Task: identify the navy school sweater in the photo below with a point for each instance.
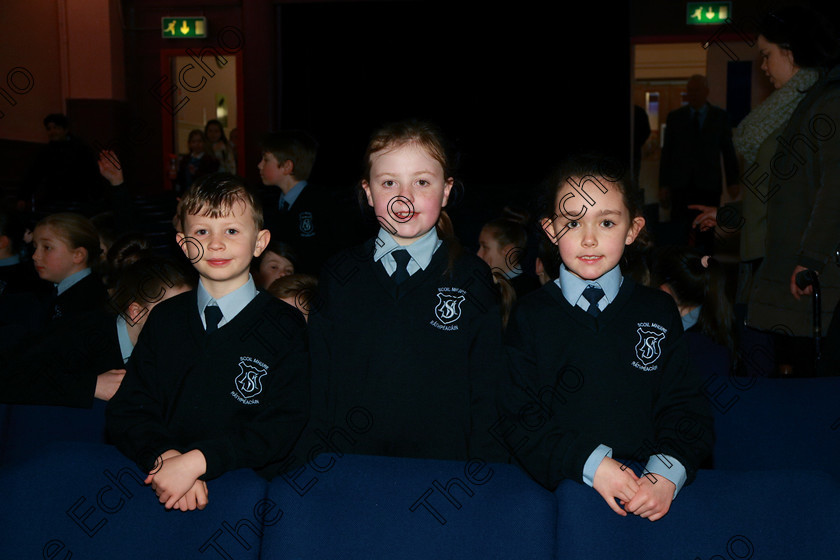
(307, 226)
(413, 369)
(622, 379)
(240, 395)
(59, 365)
(88, 294)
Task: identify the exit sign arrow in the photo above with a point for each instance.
(183, 27)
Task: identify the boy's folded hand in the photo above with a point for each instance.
(612, 480)
(653, 500)
(176, 476)
(195, 498)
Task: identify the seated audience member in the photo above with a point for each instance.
(63, 175)
(199, 162)
(124, 252)
(297, 212)
(66, 253)
(16, 275)
(502, 245)
(698, 285)
(547, 265)
(223, 149)
(73, 362)
(298, 290)
(203, 392)
(278, 260)
(22, 292)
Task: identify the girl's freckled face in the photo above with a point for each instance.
(407, 191)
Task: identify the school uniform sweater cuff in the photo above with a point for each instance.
(217, 458)
(668, 467)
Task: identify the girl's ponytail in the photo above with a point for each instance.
(446, 232)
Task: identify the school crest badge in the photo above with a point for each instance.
(249, 381)
(306, 224)
(648, 347)
(448, 309)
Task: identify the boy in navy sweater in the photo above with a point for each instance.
(301, 215)
(219, 377)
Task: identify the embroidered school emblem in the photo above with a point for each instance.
(448, 309)
(249, 381)
(648, 347)
(306, 224)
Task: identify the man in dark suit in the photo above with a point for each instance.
(696, 136)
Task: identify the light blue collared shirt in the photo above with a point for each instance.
(690, 318)
(421, 251)
(10, 261)
(230, 304)
(573, 286)
(292, 195)
(126, 346)
(72, 280)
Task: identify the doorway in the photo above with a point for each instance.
(206, 85)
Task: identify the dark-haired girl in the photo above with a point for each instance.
(599, 366)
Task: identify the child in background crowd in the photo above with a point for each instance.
(502, 245)
(123, 252)
(298, 290)
(199, 162)
(612, 349)
(698, 285)
(547, 265)
(16, 275)
(297, 212)
(278, 260)
(66, 253)
(221, 148)
(75, 362)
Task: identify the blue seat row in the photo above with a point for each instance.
(772, 494)
(82, 500)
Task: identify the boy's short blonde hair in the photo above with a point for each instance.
(214, 196)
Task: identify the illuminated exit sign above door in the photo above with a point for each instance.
(707, 13)
(183, 27)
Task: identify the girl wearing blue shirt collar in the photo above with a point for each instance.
(603, 356)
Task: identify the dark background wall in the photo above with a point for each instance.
(515, 88)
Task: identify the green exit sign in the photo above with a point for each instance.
(707, 13)
(183, 27)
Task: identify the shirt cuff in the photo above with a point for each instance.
(668, 467)
(594, 462)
